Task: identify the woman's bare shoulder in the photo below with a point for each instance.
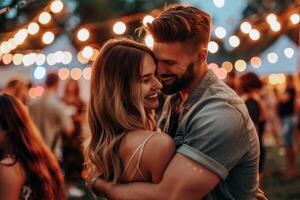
(12, 174)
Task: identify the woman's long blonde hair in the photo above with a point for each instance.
(115, 106)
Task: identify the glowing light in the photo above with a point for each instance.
(220, 32)
(33, 28)
(7, 58)
(76, 73)
(227, 66)
(51, 59)
(295, 18)
(272, 57)
(246, 27)
(255, 62)
(240, 65)
(95, 54)
(44, 18)
(12, 44)
(20, 36)
(87, 73)
(254, 34)
(273, 79)
(67, 58)
(213, 66)
(39, 73)
(81, 58)
(149, 41)
(18, 59)
(83, 34)
(119, 28)
(39, 90)
(219, 3)
(271, 18)
(276, 26)
(213, 47)
(148, 19)
(29, 59)
(289, 52)
(40, 59)
(281, 78)
(31, 93)
(56, 6)
(63, 73)
(5, 47)
(48, 37)
(234, 41)
(87, 52)
(221, 73)
(59, 56)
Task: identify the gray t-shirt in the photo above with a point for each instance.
(215, 130)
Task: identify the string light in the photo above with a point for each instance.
(40, 59)
(44, 18)
(76, 73)
(213, 47)
(119, 28)
(83, 34)
(289, 52)
(33, 28)
(148, 19)
(220, 32)
(227, 66)
(56, 6)
(219, 3)
(63, 73)
(272, 57)
(87, 73)
(234, 41)
(271, 18)
(240, 65)
(295, 18)
(255, 62)
(17, 59)
(39, 72)
(48, 37)
(87, 52)
(149, 41)
(246, 27)
(254, 34)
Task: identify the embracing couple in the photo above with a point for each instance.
(204, 145)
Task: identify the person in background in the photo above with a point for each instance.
(250, 86)
(72, 144)
(49, 115)
(18, 88)
(286, 109)
(28, 169)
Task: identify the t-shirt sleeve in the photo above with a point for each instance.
(216, 137)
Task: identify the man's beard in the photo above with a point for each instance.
(180, 83)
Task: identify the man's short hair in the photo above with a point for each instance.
(180, 23)
(52, 80)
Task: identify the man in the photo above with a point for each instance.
(217, 145)
(49, 116)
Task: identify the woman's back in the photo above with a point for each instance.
(145, 155)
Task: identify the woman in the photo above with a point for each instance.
(250, 86)
(72, 153)
(124, 145)
(28, 170)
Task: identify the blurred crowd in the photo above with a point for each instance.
(61, 119)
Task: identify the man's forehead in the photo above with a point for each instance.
(168, 50)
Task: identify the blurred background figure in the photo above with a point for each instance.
(286, 110)
(18, 88)
(49, 115)
(28, 170)
(72, 143)
(250, 87)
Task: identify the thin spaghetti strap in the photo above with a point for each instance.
(137, 169)
(140, 147)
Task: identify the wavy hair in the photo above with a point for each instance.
(115, 106)
(41, 167)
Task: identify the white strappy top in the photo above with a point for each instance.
(139, 150)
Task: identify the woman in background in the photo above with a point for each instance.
(28, 170)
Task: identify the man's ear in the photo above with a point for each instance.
(202, 55)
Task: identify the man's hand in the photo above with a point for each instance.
(261, 195)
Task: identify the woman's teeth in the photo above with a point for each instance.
(153, 96)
